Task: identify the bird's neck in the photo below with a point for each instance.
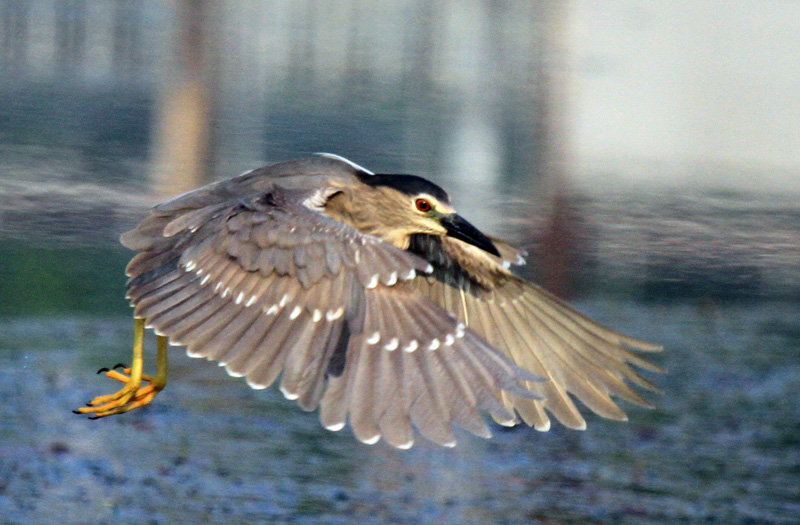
(344, 208)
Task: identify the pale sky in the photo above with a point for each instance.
(690, 84)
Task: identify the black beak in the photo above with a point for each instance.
(458, 228)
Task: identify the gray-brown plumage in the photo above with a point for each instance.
(372, 300)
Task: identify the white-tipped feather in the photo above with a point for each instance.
(291, 396)
(332, 315)
(373, 282)
(295, 313)
(371, 440)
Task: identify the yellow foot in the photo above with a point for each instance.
(131, 396)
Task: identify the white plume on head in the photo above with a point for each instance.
(347, 161)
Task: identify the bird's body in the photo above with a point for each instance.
(372, 300)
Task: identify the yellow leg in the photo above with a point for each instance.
(133, 394)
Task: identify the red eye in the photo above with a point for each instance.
(423, 205)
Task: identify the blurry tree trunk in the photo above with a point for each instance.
(14, 34)
(556, 256)
(182, 130)
(70, 35)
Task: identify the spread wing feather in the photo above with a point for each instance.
(541, 334)
(267, 286)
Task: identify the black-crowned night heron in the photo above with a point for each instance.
(373, 297)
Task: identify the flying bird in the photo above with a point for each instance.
(371, 299)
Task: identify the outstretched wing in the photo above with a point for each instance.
(540, 333)
(264, 284)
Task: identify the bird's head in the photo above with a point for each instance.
(395, 207)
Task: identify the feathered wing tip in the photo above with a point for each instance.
(582, 358)
(542, 334)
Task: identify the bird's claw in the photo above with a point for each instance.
(130, 396)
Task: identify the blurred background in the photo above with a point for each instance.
(646, 154)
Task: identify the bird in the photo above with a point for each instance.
(372, 299)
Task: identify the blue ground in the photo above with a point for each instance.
(722, 445)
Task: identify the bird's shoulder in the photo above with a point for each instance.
(294, 182)
(302, 175)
